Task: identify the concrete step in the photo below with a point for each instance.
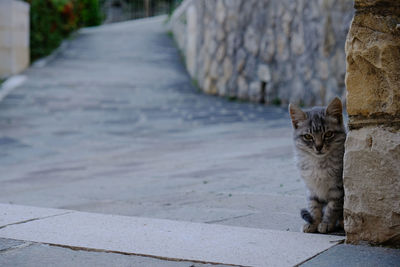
(164, 239)
(18, 253)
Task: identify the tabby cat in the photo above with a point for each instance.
(319, 136)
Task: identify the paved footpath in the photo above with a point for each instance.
(113, 125)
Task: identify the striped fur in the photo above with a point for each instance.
(319, 136)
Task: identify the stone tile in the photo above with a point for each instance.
(350, 255)
(11, 214)
(6, 244)
(38, 255)
(174, 239)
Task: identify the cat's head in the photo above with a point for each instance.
(318, 130)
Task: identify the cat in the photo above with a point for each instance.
(319, 135)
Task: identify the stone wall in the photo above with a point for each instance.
(272, 51)
(14, 37)
(372, 158)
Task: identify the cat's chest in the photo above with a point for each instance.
(317, 177)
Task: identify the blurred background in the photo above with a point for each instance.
(124, 118)
(270, 52)
(53, 20)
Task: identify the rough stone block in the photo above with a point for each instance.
(220, 12)
(243, 88)
(228, 69)
(373, 3)
(251, 41)
(264, 73)
(255, 91)
(275, 33)
(371, 163)
(372, 185)
(373, 56)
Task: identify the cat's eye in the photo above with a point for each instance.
(308, 137)
(328, 134)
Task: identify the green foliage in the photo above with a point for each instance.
(232, 98)
(175, 4)
(45, 34)
(195, 83)
(276, 101)
(91, 14)
(53, 20)
(170, 34)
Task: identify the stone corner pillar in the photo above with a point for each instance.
(372, 159)
(14, 37)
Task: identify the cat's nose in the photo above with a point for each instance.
(318, 147)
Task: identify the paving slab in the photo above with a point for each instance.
(6, 244)
(11, 214)
(356, 256)
(39, 255)
(207, 243)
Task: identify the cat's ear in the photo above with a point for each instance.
(334, 109)
(297, 115)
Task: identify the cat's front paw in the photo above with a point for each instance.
(324, 228)
(309, 228)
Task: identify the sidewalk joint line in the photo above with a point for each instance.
(23, 245)
(230, 218)
(306, 260)
(35, 219)
(76, 248)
